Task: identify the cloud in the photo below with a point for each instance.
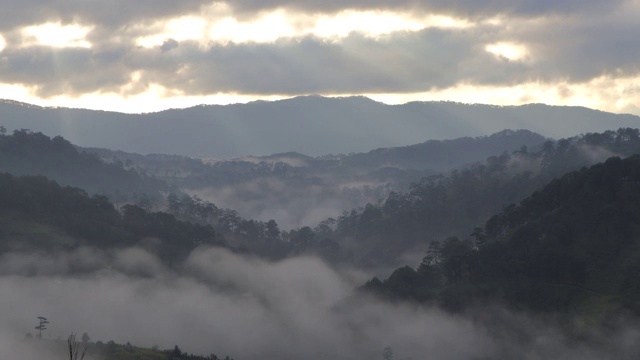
(169, 45)
(249, 308)
(280, 48)
(112, 15)
(461, 8)
(419, 61)
(400, 62)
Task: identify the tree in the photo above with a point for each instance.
(74, 348)
(271, 232)
(42, 325)
(387, 353)
(85, 338)
(433, 257)
(176, 353)
(479, 236)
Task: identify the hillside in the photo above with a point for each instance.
(310, 125)
(445, 155)
(31, 153)
(297, 190)
(37, 214)
(570, 247)
(392, 231)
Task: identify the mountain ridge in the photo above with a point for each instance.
(310, 125)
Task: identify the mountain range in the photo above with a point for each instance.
(311, 125)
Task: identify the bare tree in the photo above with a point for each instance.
(74, 348)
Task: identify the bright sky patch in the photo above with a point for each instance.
(219, 26)
(57, 35)
(508, 51)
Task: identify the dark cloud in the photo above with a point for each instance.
(109, 14)
(457, 8)
(122, 13)
(583, 49)
(568, 41)
(410, 62)
(169, 45)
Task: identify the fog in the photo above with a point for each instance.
(292, 205)
(224, 303)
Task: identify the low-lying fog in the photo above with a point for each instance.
(229, 304)
(291, 207)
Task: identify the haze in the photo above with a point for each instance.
(307, 180)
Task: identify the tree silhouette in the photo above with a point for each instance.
(42, 325)
(387, 353)
(74, 348)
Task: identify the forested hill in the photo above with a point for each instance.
(31, 153)
(572, 246)
(296, 190)
(310, 125)
(37, 214)
(431, 155)
(445, 155)
(454, 204)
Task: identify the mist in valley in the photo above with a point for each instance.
(291, 206)
(320, 180)
(224, 303)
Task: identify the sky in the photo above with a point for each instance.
(150, 55)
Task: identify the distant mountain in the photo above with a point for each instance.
(444, 155)
(311, 125)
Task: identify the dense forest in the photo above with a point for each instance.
(297, 190)
(546, 230)
(376, 235)
(569, 247)
(38, 214)
(32, 153)
(454, 204)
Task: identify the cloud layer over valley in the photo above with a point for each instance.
(248, 308)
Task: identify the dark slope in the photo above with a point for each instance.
(28, 153)
(454, 204)
(310, 125)
(445, 155)
(402, 164)
(572, 246)
(37, 214)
